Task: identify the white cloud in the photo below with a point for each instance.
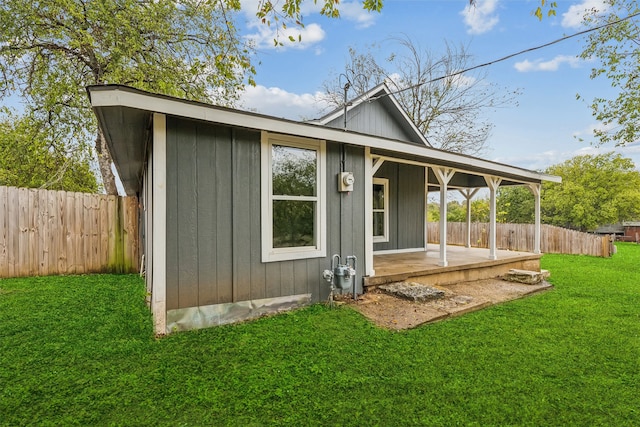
(572, 18)
(480, 17)
(353, 11)
(543, 160)
(278, 102)
(589, 130)
(552, 65)
(303, 37)
(461, 81)
(311, 34)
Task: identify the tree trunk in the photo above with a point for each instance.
(104, 161)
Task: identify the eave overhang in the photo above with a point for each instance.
(124, 114)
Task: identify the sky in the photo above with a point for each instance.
(547, 126)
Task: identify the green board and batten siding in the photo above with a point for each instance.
(213, 220)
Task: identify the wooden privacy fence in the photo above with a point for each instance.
(46, 232)
(520, 237)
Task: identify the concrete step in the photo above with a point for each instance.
(526, 276)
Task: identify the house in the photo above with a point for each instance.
(626, 231)
(631, 231)
(242, 212)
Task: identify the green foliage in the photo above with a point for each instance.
(616, 51)
(457, 211)
(550, 9)
(29, 159)
(50, 51)
(515, 205)
(80, 350)
(596, 190)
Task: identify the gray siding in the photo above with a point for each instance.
(372, 118)
(406, 206)
(213, 220)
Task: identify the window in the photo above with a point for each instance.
(380, 210)
(293, 198)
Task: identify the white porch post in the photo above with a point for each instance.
(368, 212)
(444, 175)
(493, 182)
(535, 189)
(426, 204)
(468, 194)
(159, 224)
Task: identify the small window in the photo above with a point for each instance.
(380, 210)
(293, 205)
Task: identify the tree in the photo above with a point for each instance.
(617, 47)
(28, 160)
(49, 52)
(448, 109)
(595, 190)
(457, 211)
(515, 205)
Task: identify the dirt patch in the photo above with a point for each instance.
(396, 313)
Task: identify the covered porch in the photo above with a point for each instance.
(464, 264)
(388, 260)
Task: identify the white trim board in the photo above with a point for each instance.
(398, 251)
(111, 96)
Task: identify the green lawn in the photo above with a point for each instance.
(80, 351)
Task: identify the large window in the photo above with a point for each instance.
(380, 210)
(293, 193)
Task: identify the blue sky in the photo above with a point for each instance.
(543, 129)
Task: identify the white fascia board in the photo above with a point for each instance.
(116, 96)
(353, 103)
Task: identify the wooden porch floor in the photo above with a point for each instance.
(465, 264)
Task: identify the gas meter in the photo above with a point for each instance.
(342, 276)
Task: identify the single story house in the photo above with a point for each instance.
(242, 212)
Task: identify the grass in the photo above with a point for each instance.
(80, 351)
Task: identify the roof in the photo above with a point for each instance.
(125, 115)
(383, 95)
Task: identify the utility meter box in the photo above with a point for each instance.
(346, 181)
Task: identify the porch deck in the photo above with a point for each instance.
(465, 264)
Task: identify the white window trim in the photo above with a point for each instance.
(269, 253)
(385, 184)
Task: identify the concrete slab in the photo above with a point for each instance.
(395, 313)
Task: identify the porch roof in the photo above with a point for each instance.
(125, 116)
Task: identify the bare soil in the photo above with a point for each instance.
(395, 313)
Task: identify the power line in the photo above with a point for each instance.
(504, 58)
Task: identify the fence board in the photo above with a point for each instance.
(23, 232)
(4, 237)
(13, 232)
(54, 232)
(520, 237)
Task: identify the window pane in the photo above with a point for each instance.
(378, 196)
(378, 224)
(294, 171)
(293, 223)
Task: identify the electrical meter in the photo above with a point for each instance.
(346, 181)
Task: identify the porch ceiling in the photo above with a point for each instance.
(467, 175)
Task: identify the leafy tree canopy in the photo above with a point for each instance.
(49, 52)
(457, 211)
(515, 205)
(595, 190)
(27, 159)
(617, 51)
